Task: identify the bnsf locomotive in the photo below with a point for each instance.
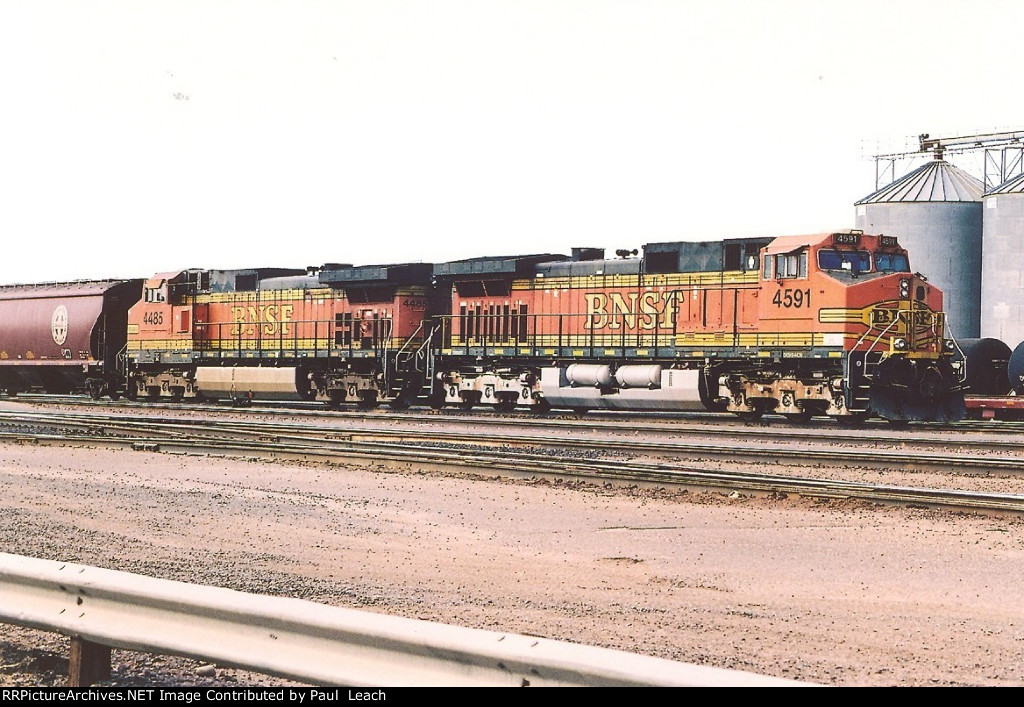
(834, 324)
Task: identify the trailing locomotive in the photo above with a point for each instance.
(833, 324)
(335, 333)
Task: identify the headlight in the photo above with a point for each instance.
(899, 344)
(904, 288)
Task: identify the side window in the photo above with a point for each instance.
(767, 274)
(788, 265)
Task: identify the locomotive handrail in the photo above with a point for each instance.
(314, 643)
(878, 339)
(963, 358)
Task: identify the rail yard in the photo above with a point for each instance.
(819, 584)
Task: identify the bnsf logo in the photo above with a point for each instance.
(919, 318)
(271, 318)
(646, 310)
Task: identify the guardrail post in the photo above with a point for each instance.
(88, 662)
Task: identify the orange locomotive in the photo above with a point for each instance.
(335, 333)
(831, 324)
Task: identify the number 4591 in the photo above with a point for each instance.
(792, 298)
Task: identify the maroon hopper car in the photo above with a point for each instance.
(65, 337)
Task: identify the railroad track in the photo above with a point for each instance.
(913, 453)
(482, 454)
(998, 435)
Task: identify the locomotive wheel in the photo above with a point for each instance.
(506, 403)
(369, 402)
(95, 391)
(751, 416)
(335, 399)
(854, 420)
(541, 406)
(436, 401)
(399, 402)
(799, 418)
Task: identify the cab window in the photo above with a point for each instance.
(855, 261)
(786, 265)
(891, 262)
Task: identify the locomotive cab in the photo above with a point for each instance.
(884, 322)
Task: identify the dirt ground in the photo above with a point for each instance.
(832, 593)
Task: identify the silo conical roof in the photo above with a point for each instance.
(937, 181)
(1013, 185)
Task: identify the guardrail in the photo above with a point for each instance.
(309, 642)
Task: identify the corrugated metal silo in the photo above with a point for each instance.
(935, 211)
(1002, 265)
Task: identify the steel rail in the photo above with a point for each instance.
(371, 438)
(545, 466)
(724, 425)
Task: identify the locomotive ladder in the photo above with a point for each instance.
(420, 360)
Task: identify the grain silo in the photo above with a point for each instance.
(1002, 268)
(935, 212)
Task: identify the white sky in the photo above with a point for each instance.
(138, 137)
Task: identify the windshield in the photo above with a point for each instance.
(852, 260)
(893, 262)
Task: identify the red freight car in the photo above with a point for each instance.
(65, 337)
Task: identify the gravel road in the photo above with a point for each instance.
(833, 593)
